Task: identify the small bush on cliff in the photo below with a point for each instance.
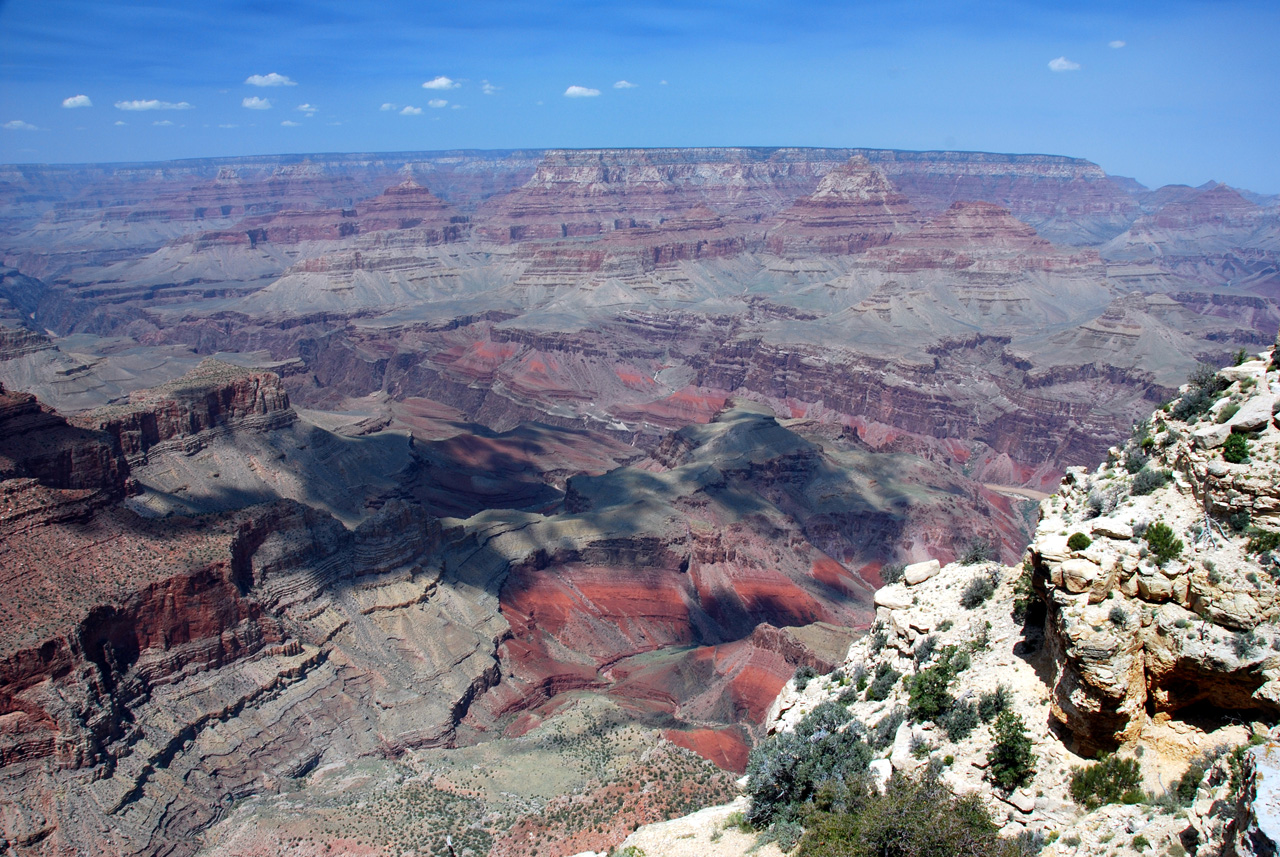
(924, 650)
(1147, 481)
(1010, 762)
(928, 697)
(978, 550)
(1189, 783)
(1236, 449)
(960, 721)
(994, 702)
(1112, 780)
(883, 682)
(1205, 385)
(803, 675)
(1164, 545)
(892, 572)
(1078, 542)
(915, 817)
(1135, 460)
(976, 592)
(1226, 412)
(1245, 643)
(882, 734)
(1261, 541)
(786, 770)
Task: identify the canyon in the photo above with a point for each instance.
(390, 480)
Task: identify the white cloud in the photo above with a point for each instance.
(121, 122)
(1118, 43)
(411, 111)
(437, 103)
(625, 84)
(19, 125)
(456, 107)
(309, 109)
(441, 82)
(229, 125)
(152, 104)
(662, 83)
(1063, 64)
(77, 101)
(272, 79)
(253, 102)
(162, 122)
(576, 91)
(488, 88)
(389, 106)
(289, 123)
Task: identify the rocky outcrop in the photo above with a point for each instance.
(853, 208)
(1137, 633)
(213, 396)
(37, 444)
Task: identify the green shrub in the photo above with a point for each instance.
(892, 572)
(1162, 542)
(786, 833)
(994, 702)
(1147, 481)
(1205, 384)
(1189, 783)
(1010, 762)
(1140, 842)
(976, 592)
(1227, 411)
(876, 640)
(883, 682)
(925, 649)
(787, 769)
(1236, 449)
(1245, 643)
(803, 675)
(1112, 780)
(1238, 521)
(915, 817)
(928, 697)
(1135, 460)
(960, 721)
(1261, 541)
(882, 734)
(1118, 616)
(1078, 542)
(978, 550)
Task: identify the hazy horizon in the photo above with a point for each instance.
(1172, 93)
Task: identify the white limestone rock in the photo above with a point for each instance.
(919, 572)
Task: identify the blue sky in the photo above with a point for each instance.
(1192, 94)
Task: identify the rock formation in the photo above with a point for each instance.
(1196, 624)
(853, 208)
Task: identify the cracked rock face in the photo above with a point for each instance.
(1134, 635)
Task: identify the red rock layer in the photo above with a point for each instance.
(37, 444)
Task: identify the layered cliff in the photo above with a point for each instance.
(1179, 546)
